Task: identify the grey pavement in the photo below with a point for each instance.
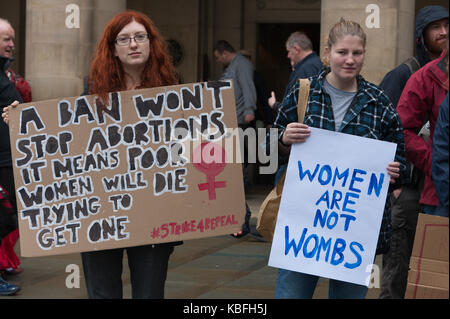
(212, 268)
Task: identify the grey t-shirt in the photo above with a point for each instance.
(340, 102)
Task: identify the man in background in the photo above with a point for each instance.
(430, 31)
(304, 62)
(240, 70)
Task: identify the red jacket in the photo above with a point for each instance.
(420, 99)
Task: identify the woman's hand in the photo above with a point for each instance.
(296, 133)
(393, 170)
(5, 113)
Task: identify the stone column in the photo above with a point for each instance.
(405, 34)
(103, 11)
(58, 53)
(387, 44)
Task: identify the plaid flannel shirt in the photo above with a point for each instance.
(370, 115)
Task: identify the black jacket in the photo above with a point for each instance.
(394, 81)
(8, 94)
(440, 159)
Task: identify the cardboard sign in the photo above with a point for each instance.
(150, 168)
(332, 206)
(428, 274)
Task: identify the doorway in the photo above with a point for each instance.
(271, 54)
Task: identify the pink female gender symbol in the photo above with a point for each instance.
(211, 167)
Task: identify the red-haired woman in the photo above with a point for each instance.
(131, 54)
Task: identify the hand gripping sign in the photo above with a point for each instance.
(332, 206)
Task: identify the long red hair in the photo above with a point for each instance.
(107, 74)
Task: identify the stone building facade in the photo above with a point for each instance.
(54, 44)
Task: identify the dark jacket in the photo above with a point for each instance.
(8, 94)
(264, 112)
(7, 221)
(309, 66)
(395, 80)
(440, 161)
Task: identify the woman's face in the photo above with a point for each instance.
(133, 54)
(346, 57)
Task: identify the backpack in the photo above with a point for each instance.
(412, 64)
(417, 176)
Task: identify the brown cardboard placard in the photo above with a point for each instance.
(429, 269)
(150, 169)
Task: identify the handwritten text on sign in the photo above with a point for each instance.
(141, 171)
(332, 206)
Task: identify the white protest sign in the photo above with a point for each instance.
(332, 206)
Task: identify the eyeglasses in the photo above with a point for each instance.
(138, 38)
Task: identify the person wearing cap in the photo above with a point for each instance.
(403, 86)
(428, 47)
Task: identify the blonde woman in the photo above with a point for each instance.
(341, 100)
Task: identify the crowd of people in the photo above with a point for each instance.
(409, 108)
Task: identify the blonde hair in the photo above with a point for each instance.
(341, 29)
